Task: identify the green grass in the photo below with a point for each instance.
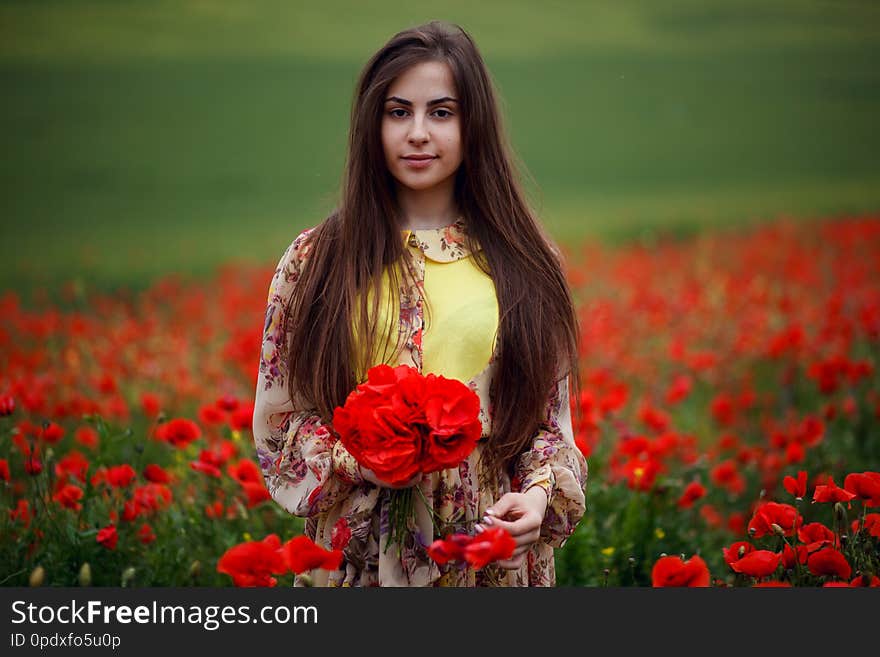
(143, 138)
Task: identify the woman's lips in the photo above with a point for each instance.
(420, 163)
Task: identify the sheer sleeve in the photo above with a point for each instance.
(555, 464)
(305, 467)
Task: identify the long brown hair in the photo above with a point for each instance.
(350, 249)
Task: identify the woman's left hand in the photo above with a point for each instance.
(521, 514)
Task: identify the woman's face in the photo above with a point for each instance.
(421, 128)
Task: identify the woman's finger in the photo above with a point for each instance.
(513, 563)
(517, 528)
(522, 549)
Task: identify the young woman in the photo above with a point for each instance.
(432, 259)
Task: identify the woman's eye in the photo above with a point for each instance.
(396, 115)
(443, 114)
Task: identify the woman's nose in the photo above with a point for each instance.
(418, 132)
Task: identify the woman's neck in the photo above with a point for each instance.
(424, 209)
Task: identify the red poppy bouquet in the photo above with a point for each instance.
(400, 423)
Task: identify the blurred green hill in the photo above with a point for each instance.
(148, 137)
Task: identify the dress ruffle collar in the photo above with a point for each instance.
(444, 244)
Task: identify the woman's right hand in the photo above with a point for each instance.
(370, 476)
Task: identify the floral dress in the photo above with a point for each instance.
(310, 473)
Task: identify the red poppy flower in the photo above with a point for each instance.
(815, 532)
(736, 523)
(87, 437)
(654, 418)
(210, 415)
(151, 404)
(829, 562)
(4, 470)
(694, 491)
(120, 476)
(7, 405)
(131, 510)
(245, 471)
(723, 409)
(242, 418)
(711, 516)
(727, 475)
(227, 403)
(449, 549)
(253, 563)
(772, 513)
(792, 557)
(179, 432)
(256, 493)
(678, 389)
(494, 544)
(380, 439)
(672, 571)
(452, 413)
(207, 468)
(810, 431)
(831, 492)
(614, 398)
(32, 465)
(153, 497)
(865, 580)
(872, 524)
(146, 534)
(21, 512)
(865, 486)
(108, 537)
(737, 551)
(301, 554)
(641, 473)
(156, 474)
(796, 487)
(757, 563)
(73, 464)
(794, 453)
(69, 496)
(52, 433)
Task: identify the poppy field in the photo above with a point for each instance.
(729, 410)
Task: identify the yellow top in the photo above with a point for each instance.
(461, 314)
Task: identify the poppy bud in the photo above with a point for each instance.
(7, 405)
(38, 576)
(128, 575)
(195, 569)
(305, 580)
(777, 529)
(85, 574)
(840, 514)
(742, 551)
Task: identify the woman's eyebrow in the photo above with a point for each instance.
(431, 103)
